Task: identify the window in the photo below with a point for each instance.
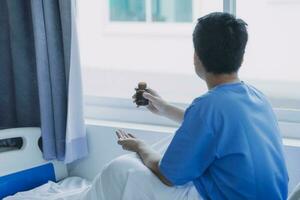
(157, 10)
(172, 10)
(123, 42)
(127, 10)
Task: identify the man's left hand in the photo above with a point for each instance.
(128, 141)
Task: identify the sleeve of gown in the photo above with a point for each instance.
(192, 149)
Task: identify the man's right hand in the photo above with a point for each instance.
(156, 104)
(160, 107)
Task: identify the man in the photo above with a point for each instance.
(228, 145)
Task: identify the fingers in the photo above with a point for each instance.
(118, 135)
(152, 109)
(124, 134)
(128, 141)
(153, 92)
(148, 90)
(130, 135)
(149, 96)
(121, 134)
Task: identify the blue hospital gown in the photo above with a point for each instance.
(229, 145)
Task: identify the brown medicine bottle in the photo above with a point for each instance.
(140, 100)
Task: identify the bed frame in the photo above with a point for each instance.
(24, 168)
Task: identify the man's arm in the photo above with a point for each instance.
(151, 160)
(174, 113)
(160, 107)
(149, 157)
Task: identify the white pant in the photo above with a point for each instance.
(127, 178)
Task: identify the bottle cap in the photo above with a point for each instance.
(142, 85)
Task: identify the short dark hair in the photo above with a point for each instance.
(219, 41)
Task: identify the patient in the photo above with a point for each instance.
(228, 145)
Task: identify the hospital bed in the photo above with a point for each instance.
(25, 169)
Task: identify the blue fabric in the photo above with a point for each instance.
(51, 76)
(230, 146)
(26, 180)
(19, 102)
(35, 66)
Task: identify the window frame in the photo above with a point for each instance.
(149, 27)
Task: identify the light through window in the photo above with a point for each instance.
(127, 10)
(151, 10)
(172, 10)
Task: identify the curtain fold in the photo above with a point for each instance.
(18, 95)
(40, 80)
(51, 76)
(76, 143)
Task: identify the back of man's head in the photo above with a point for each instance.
(219, 41)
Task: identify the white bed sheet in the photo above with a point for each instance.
(70, 188)
(127, 178)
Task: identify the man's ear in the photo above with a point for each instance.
(199, 68)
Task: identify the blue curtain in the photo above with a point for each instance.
(35, 56)
(19, 102)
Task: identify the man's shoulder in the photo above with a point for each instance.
(205, 103)
(220, 98)
(205, 97)
(209, 97)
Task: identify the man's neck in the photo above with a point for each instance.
(213, 80)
